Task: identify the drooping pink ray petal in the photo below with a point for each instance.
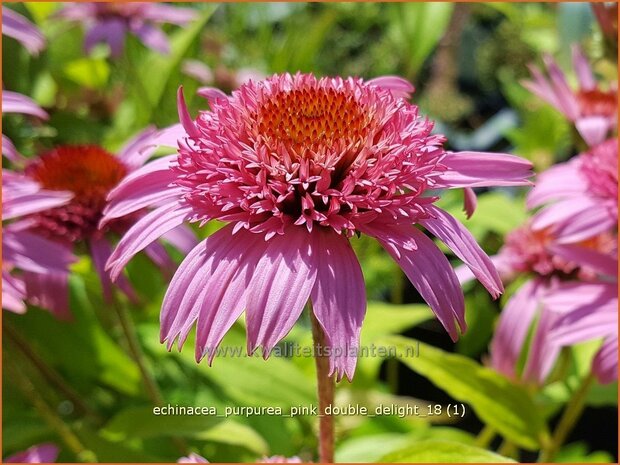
(582, 69)
(339, 300)
(30, 252)
(12, 102)
(600, 262)
(162, 13)
(281, 286)
(542, 353)
(13, 293)
(429, 271)
(182, 238)
(605, 363)
(514, 324)
(148, 229)
(212, 94)
(22, 204)
(139, 148)
(564, 95)
(19, 28)
(559, 181)
(10, 152)
(452, 233)
(481, 169)
(136, 192)
(50, 291)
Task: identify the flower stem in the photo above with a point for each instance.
(571, 414)
(129, 331)
(48, 373)
(48, 414)
(326, 389)
(152, 389)
(486, 435)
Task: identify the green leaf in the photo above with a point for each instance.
(141, 422)
(236, 434)
(495, 400)
(383, 318)
(156, 71)
(443, 452)
(419, 27)
(88, 72)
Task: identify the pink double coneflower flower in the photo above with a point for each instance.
(110, 23)
(86, 174)
(562, 286)
(295, 166)
(28, 258)
(590, 107)
(579, 198)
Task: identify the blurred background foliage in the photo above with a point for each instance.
(466, 61)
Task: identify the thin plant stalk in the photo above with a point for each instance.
(48, 414)
(48, 373)
(569, 418)
(326, 389)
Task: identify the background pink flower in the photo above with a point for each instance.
(19, 28)
(86, 174)
(579, 197)
(295, 166)
(592, 108)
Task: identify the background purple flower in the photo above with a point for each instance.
(110, 23)
(41, 453)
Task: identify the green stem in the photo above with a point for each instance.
(152, 389)
(326, 388)
(48, 373)
(48, 414)
(569, 418)
(486, 435)
(129, 331)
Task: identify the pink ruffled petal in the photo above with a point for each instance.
(146, 230)
(400, 87)
(461, 242)
(470, 202)
(184, 117)
(281, 286)
(482, 169)
(339, 300)
(212, 94)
